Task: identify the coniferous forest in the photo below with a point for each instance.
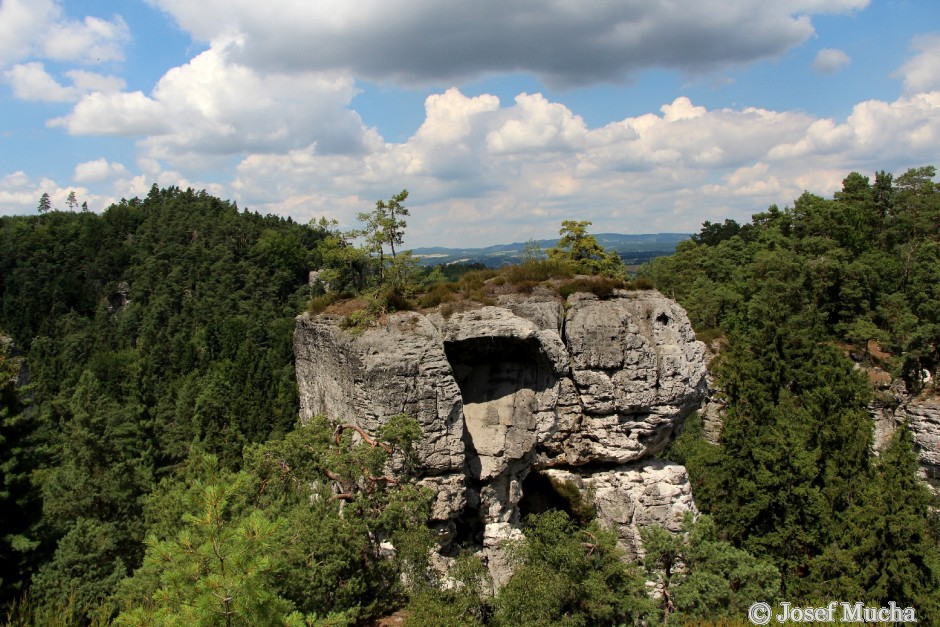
(153, 470)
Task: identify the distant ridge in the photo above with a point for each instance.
(634, 249)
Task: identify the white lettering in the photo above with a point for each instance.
(851, 613)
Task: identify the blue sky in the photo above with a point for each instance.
(502, 119)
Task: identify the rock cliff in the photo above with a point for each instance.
(921, 413)
(582, 393)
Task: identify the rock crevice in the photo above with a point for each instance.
(589, 390)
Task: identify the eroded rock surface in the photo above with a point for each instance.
(631, 497)
(922, 416)
(590, 389)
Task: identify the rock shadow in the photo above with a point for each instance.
(500, 379)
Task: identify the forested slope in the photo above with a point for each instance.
(789, 296)
(152, 471)
(160, 324)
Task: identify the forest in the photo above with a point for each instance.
(154, 470)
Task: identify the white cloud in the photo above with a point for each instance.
(92, 40)
(21, 24)
(830, 61)
(654, 172)
(38, 28)
(565, 43)
(212, 108)
(30, 81)
(922, 73)
(98, 170)
(115, 114)
(85, 81)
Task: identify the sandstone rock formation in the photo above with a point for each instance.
(585, 391)
(895, 407)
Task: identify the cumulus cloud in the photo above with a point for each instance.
(98, 170)
(31, 81)
(483, 171)
(830, 61)
(922, 73)
(491, 172)
(421, 41)
(212, 107)
(38, 28)
(115, 114)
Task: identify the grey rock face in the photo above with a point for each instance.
(631, 497)
(922, 416)
(500, 391)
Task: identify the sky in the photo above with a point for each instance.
(500, 118)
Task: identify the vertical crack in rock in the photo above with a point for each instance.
(500, 380)
(557, 401)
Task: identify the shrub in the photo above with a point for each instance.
(358, 321)
(318, 304)
(475, 279)
(641, 283)
(440, 293)
(539, 270)
(600, 286)
(394, 299)
(526, 287)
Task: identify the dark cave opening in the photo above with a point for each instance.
(487, 368)
(542, 493)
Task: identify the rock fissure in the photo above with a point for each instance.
(583, 396)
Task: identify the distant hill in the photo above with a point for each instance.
(634, 249)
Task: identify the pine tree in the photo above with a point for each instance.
(219, 569)
(45, 204)
(891, 540)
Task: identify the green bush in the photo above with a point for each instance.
(474, 280)
(318, 304)
(394, 299)
(640, 283)
(539, 270)
(600, 286)
(440, 293)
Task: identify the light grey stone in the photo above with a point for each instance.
(527, 386)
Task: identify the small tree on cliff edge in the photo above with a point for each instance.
(583, 250)
(385, 225)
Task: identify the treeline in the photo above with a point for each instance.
(160, 325)
(152, 471)
(787, 298)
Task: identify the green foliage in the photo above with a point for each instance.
(158, 324)
(703, 577)
(792, 480)
(584, 252)
(580, 506)
(567, 576)
(601, 286)
(464, 601)
(20, 456)
(219, 569)
(539, 269)
(889, 544)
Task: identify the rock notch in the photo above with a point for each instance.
(583, 392)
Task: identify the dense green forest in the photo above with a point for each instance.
(153, 471)
(789, 296)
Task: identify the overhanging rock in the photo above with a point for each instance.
(589, 387)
